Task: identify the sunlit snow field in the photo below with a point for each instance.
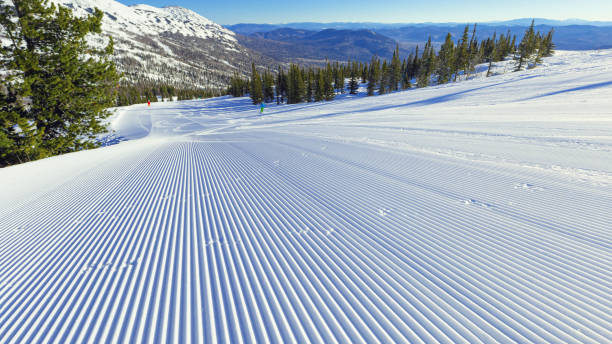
(477, 211)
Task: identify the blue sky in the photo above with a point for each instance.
(388, 11)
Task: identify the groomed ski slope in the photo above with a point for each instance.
(472, 212)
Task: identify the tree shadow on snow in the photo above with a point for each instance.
(424, 102)
(574, 89)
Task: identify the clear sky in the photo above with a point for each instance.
(388, 11)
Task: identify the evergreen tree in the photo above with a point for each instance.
(364, 73)
(353, 83)
(373, 75)
(256, 91)
(428, 65)
(296, 89)
(396, 70)
(328, 86)
(473, 54)
(548, 46)
(462, 53)
(446, 60)
(527, 46)
(268, 87)
(320, 89)
(310, 86)
(384, 77)
(281, 86)
(416, 64)
(406, 84)
(56, 94)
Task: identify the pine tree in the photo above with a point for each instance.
(281, 86)
(55, 97)
(548, 45)
(256, 91)
(462, 54)
(384, 78)
(428, 65)
(353, 83)
(527, 46)
(328, 86)
(268, 87)
(396, 70)
(373, 75)
(310, 86)
(473, 56)
(320, 90)
(446, 60)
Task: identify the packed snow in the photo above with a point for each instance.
(471, 212)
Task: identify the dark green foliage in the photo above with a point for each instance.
(446, 61)
(383, 83)
(320, 86)
(428, 65)
(256, 91)
(353, 83)
(328, 87)
(395, 73)
(296, 86)
(54, 98)
(339, 74)
(310, 86)
(548, 46)
(373, 75)
(268, 87)
(238, 86)
(281, 86)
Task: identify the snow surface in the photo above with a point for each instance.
(470, 212)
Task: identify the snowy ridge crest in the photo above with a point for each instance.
(171, 45)
(145, 19)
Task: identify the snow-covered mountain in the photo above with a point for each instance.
(170, 44)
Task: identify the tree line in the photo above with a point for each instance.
(140, 93)
(451, 62)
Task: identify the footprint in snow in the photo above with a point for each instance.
(528, 187)
(383, 212)
(276, 163)
(476, 203)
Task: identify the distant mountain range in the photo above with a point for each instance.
(247, 29)
(315, 41)
(314, 47)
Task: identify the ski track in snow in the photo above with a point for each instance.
(474, 219)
